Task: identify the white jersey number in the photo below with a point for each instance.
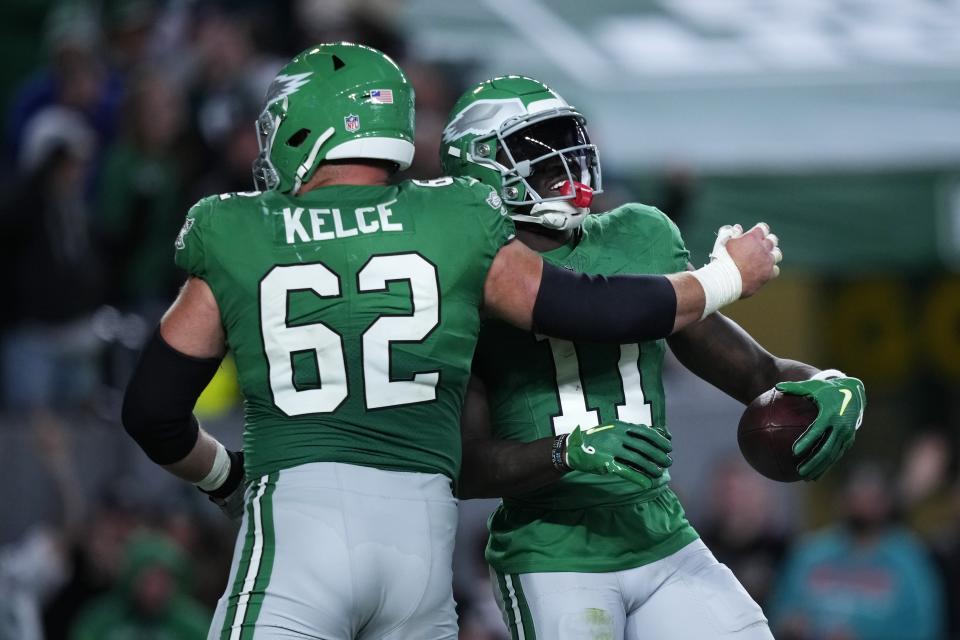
(282, 342)
(380, 390)
(573, 398)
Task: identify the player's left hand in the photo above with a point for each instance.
(635, 452)
(841, 402)
(230, 496)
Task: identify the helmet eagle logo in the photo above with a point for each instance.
(285, 85)
(483, 116)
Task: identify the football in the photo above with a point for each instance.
(769, 427)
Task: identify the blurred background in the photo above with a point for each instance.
(837, 121)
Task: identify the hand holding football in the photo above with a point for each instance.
(769, 427)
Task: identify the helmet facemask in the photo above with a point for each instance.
(265, 175)
(547, 164)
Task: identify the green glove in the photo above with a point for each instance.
(841, 402)
(635, 452)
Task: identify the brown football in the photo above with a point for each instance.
(768, 429)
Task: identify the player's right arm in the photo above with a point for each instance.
(175, 366)
(528, 293)
(494, 468)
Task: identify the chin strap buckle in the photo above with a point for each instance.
(582, 194)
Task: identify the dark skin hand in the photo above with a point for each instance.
(716, 349)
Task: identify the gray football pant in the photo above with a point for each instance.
(342, 552)
(686, 596)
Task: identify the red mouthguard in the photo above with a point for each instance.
(582, 194)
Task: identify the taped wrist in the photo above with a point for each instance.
(158, 404)
(612, 309)
(233, 480)
(219, 471)
(722, 284)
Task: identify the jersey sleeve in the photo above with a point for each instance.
(190, 252)
(646, 228)
(676, 252)
(496, 225)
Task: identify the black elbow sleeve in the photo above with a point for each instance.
(613, 309)
(158, 404)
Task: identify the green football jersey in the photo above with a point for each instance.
(539, 387)
(352, 313)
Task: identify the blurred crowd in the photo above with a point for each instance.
(140, 108)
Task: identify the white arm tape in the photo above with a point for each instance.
(218, 474)
(721, 279)
(721, 284)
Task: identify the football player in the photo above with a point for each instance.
(589, 541)
(352, 309)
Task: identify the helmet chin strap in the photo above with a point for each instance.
(562, 214)
(558, 215)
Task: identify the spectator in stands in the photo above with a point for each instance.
(96, 559)
(75, 78)
(236, 152)
(230, 79)
(436, 95)
(150, 600)
(742, 526)
(36, 565)
(141, 195)
(128, 26)
(866, 579)
(49, 348)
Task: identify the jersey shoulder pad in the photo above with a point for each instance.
(637, 216)
(483, 195)
(189, 250)
(635, 219)
(205, 215)
(462, 192)
(643, 225)
(491, 212)
(466, 188)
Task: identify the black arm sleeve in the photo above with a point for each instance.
(613, 309)
(158, 404)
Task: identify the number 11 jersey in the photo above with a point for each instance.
(539, 387)
(352, 313)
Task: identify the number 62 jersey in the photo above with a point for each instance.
(352, 313)
(539, 387)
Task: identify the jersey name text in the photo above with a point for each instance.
(308, 225)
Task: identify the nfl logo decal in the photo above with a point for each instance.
(381, 96)
(352, 122)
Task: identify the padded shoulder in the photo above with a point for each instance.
(466, 206)
(466, 188)
(644, 228)
(191, 252)
(188, 245)
(638, 218)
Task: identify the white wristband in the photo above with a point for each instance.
(218, 473)
(826, 374)
(721, 282)
(720, 279)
